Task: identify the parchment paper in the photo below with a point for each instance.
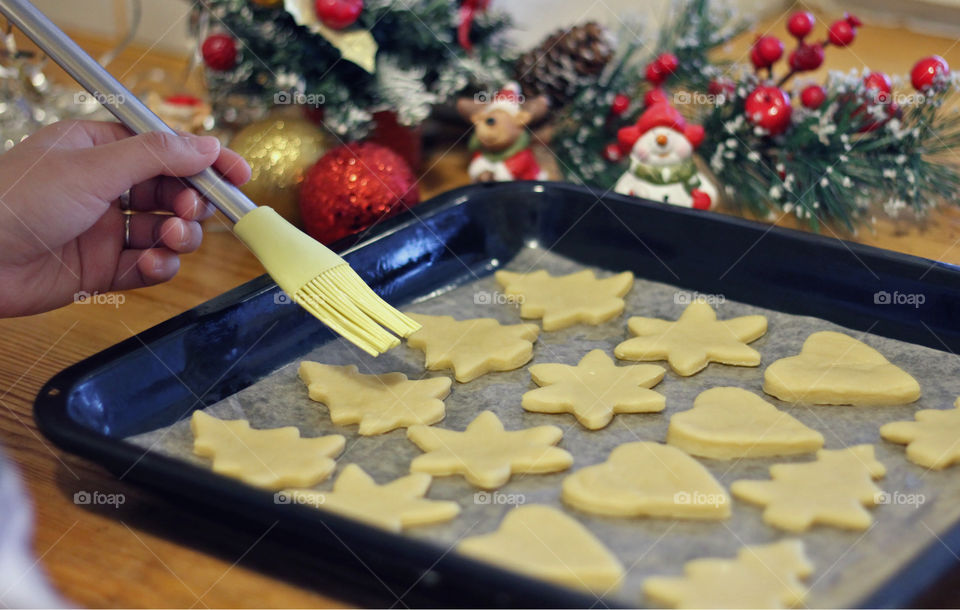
(849, 565)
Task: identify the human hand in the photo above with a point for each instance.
(61, 226)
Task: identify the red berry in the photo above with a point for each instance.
(668, 63)
(853, 20)
(620, 104)
(800, 24)
(612, 152)
(806, 57)
(812, 97)
(721, 86)
(219, 52)
(655, 96)
(338, 14)
(655, 74)
(842, 33)
(928, 71)
(879, 84)
(769, 107)
(769, 49)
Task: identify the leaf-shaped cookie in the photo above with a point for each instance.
(647, 479)
(486, 454)
(594, 389)
(566, 300)
(396, 505)
(833, 490)
(766, 576)
(694, 340)
(379, 403)
(835, 369)
(545, 543)
(932, 441)
(472, 347)
(727, 423)
(272, 459)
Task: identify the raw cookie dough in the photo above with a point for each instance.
(566, 300)
(472, 347)
(646, 479)
(485, 454)
(834, 369)
(594, 389)
(694, 340)
(394, 506)
(766, 576)
(273, 459)
(542, 542)
(379, 403)
(932, 441)
(727, 423)
(833, 490)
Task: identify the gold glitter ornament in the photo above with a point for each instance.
(279, 152)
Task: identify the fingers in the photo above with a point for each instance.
(233, 167)
(139, 268)
(155, 231)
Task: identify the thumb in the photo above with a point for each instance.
(109, 170)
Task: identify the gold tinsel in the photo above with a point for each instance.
(279, 152)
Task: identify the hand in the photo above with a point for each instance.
(61, 227)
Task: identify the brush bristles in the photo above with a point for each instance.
(342, 301)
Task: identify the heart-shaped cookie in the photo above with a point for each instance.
(544, 543)
(834, 369)
(647, 479)
(727, 423)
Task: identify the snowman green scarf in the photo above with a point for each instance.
(684, 173)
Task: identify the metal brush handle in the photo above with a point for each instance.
(115, 97)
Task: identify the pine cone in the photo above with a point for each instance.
(564, 62)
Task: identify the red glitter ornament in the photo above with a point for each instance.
(352, 187)
(806, 57)
(219, 52)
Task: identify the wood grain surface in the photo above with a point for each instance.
(148, 552)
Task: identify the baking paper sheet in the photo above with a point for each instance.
(849, 565)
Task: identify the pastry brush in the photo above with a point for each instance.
(316, 277)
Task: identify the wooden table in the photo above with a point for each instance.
(148, 552)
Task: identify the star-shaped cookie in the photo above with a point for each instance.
(543, 542)
(272, 459)
(379, 403)
(694, 340)
(395, 506)
(932, 441)
(566, 300)
(594, 389)
(766, 576)
(486, 454)
(833, 490)
(472, 347)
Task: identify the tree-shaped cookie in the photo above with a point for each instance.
(486, 454)
(932, 441)
(835, 369)
(395, 506)
(542, 542)
(379, 403)
(694, 340)
(832, 490)
(646, 479)
(594, 389)
(566, 300)
(766, 576)
(727, 423)
(272, 459)
(472, 347)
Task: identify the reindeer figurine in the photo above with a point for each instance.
(500, 140)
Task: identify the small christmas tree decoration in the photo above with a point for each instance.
(219, 52)
(662, 168)
(352, 187)
(929, 72)
(564, 62)
(338, 14)
(501, 141)
(800, 24)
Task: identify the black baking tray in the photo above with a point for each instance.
(210, 352)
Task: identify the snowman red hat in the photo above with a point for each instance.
(508, 98)
(660, 114)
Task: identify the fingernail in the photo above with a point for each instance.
(204, 144)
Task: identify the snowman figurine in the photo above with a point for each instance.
(661, 146)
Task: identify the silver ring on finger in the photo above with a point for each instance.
(126, 230)
(125, 201)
